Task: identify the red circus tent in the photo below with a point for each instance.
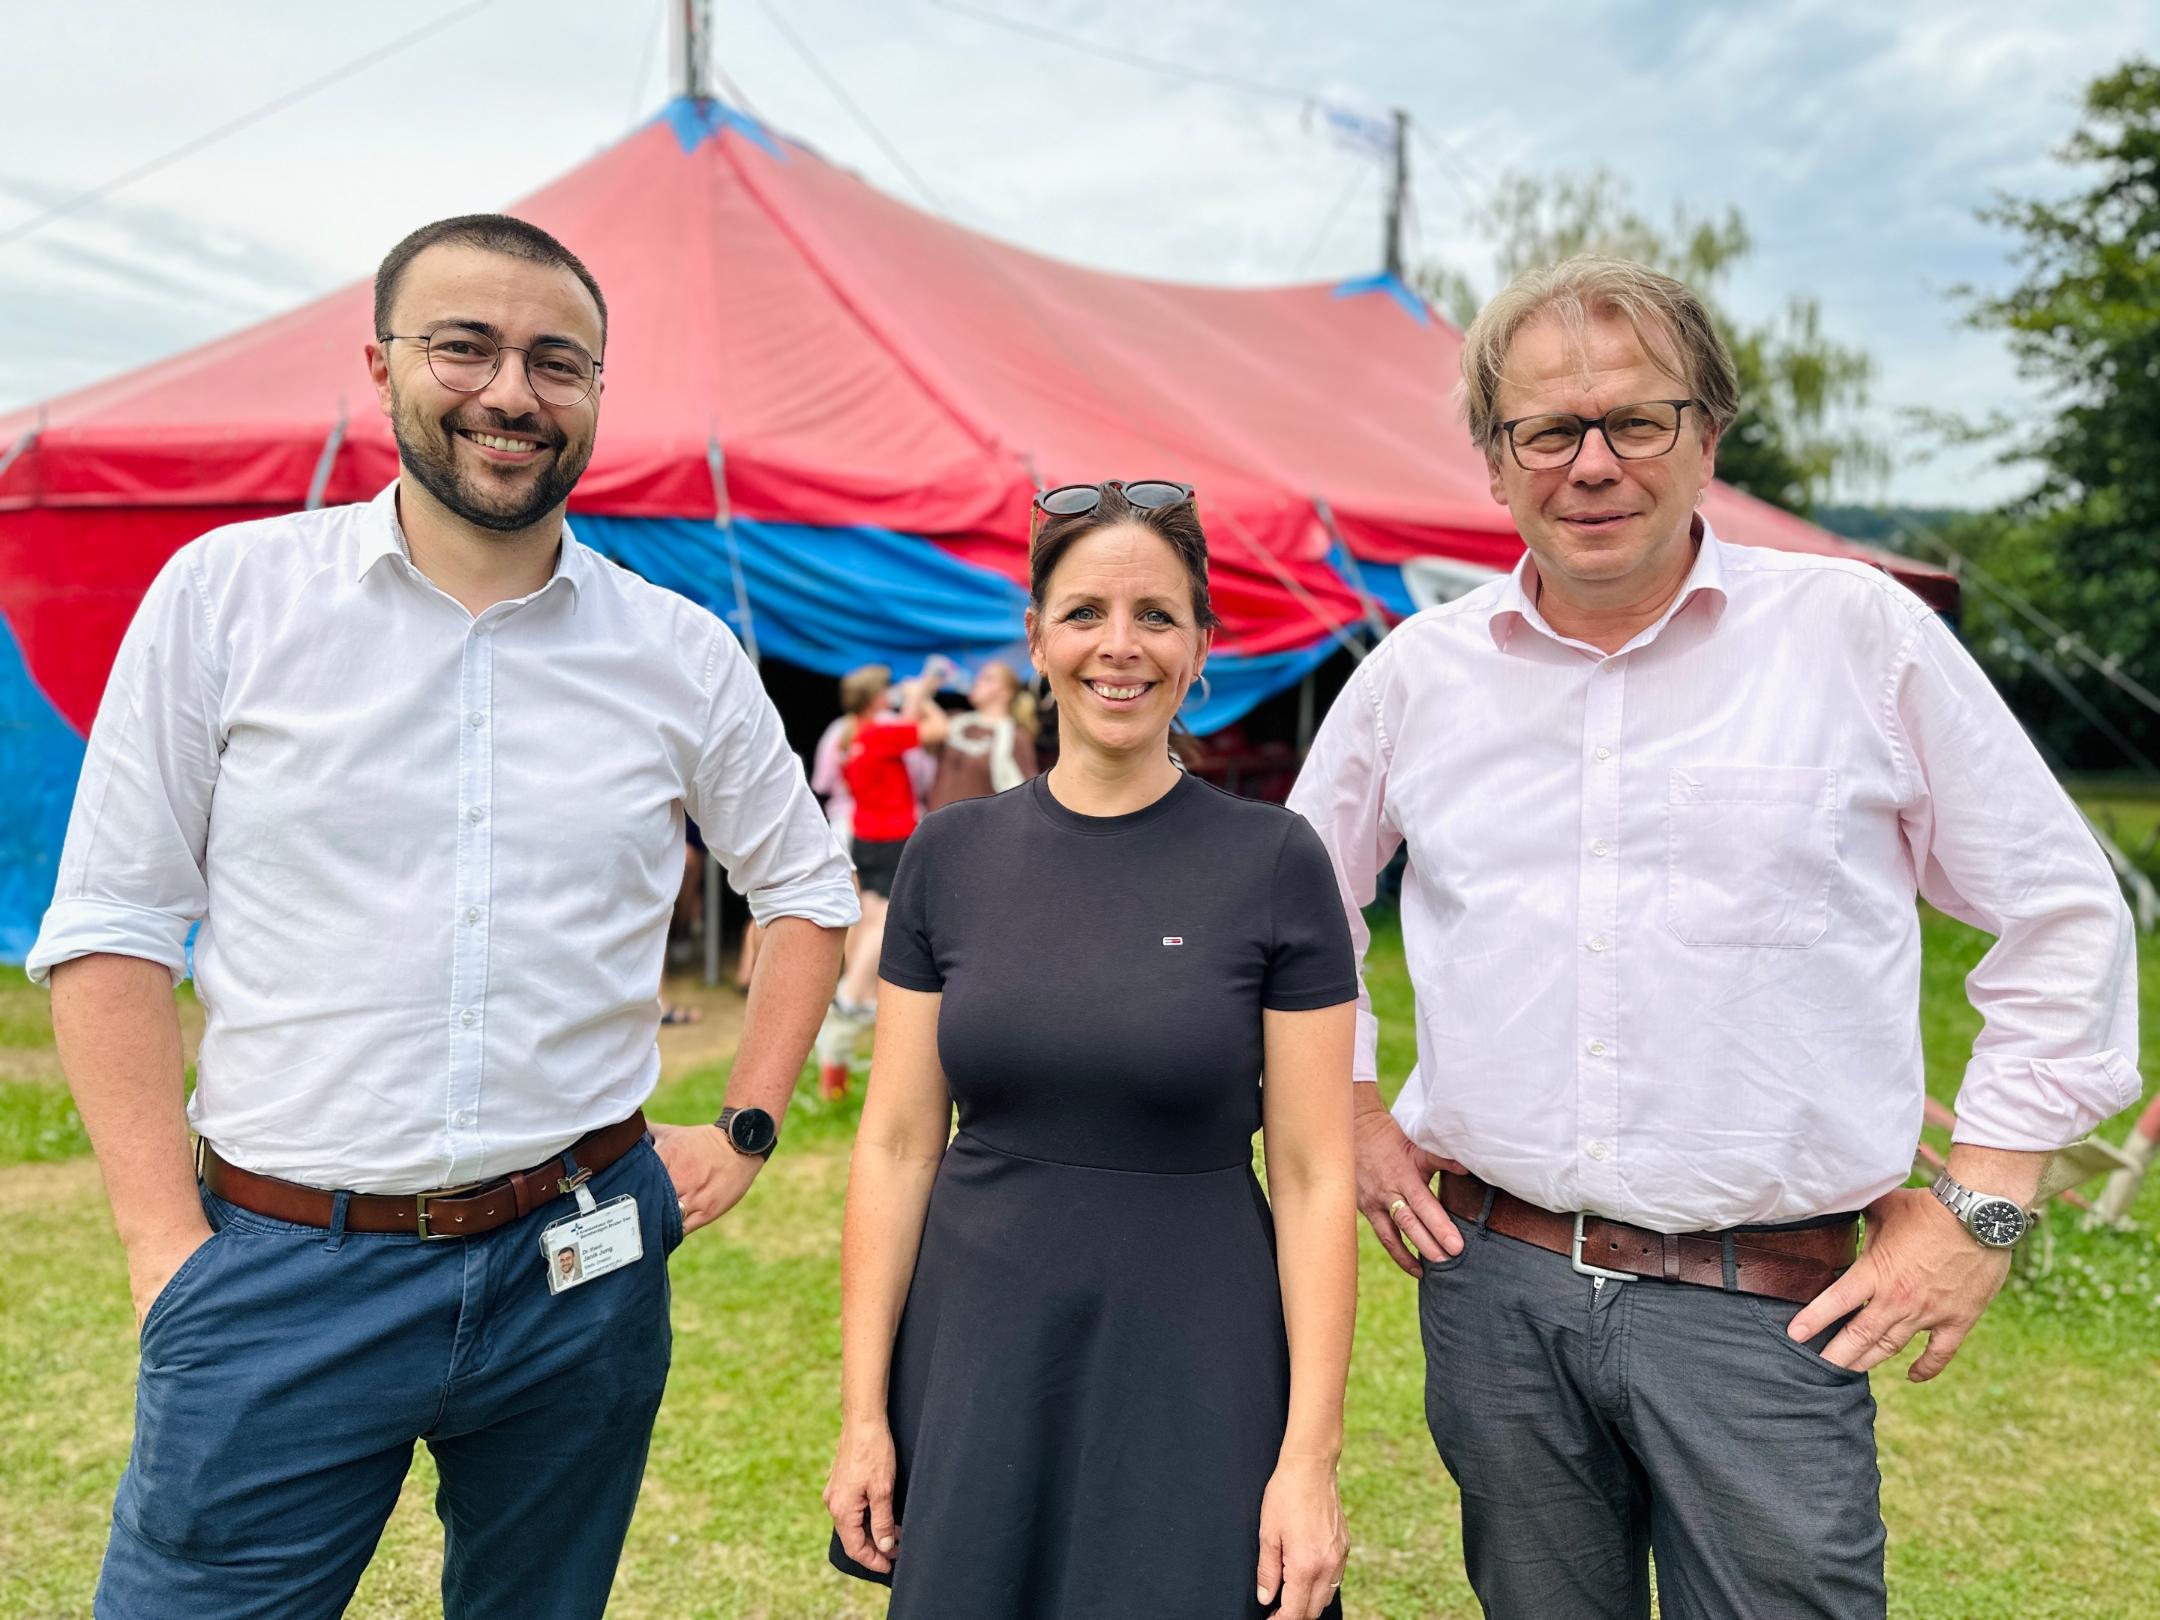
(867, 378)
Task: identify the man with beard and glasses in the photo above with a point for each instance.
(419, 769)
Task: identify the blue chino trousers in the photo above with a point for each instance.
(287, 1372)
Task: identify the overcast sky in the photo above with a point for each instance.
(1856, 138)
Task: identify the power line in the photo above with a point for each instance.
(1476, 187)
(645, 57)
(1185, 72)
(1327, 225)
(15, 233)
(862, 119)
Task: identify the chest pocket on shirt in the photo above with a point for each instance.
(1752, 851)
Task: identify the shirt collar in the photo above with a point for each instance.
(382, 535)
(1516, 605)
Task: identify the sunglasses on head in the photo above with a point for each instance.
(1148, 494)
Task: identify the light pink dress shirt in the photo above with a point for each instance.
(1659, 909)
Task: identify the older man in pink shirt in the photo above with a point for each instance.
(1668, 804)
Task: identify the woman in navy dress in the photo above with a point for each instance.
(1091, 1371)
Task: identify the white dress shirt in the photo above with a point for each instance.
(1659, 908)
(433, 855)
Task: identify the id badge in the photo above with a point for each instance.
(598, 1239)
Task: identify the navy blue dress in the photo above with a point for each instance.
(1091, 1378)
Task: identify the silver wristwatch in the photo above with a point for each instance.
(1995, 1223)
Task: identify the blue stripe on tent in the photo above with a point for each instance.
(696, 122)
(40, 757)
(831, 599)
(1383, 581)
(1237, 684)
(828, 599)
(1393, 287)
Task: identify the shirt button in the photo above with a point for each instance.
(1597, 1048)
(1601, 848)
(1597, 942)
(475, 813)
(477, 718)
(465, 1116)
(1604, 753)
(472, 914)
(468, 1018)
(1596, 1150)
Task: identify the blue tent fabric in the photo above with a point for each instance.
(831, 599)
(1236, 684)
(1392, 286)
(828, 599)
(695, 122)
(40, 757)
(1384, 581)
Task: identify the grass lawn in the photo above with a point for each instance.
(2024, 1483)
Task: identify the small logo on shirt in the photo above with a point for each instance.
(1173, 939)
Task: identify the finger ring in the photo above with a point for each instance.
(1395, 1210)
(682, 1206)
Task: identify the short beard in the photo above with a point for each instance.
(426, 450)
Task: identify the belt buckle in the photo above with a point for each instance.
(1584, 1267)
(423, 1199)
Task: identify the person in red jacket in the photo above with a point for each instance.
(877, 736)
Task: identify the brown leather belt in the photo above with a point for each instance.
(1788, 1265)
(454, 1212)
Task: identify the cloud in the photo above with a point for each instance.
(1857, 139)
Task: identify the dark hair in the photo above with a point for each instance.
(496, 233)
(1178, 527)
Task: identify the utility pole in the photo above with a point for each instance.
(690, 48)
(1398, 191)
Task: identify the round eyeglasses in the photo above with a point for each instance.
(466, 360)
(1635, 432)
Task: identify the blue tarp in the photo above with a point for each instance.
(1382, 581)
(830, 599)
(40, 757)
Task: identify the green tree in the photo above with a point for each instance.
(1799, 388)
(2081, 552)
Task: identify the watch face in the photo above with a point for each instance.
(752, 1130)
(1997, 1222)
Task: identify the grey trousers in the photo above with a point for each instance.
(1592, 1426)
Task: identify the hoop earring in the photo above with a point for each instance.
(1206, 691)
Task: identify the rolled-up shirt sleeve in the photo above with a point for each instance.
(1342, 791)
(1997, 843)
(755, 809)
(131, 877)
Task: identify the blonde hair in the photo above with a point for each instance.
(1021, 703)
(860, 688)
(1668, 318)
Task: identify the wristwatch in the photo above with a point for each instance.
(749, 1131)
(1995, 1223)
